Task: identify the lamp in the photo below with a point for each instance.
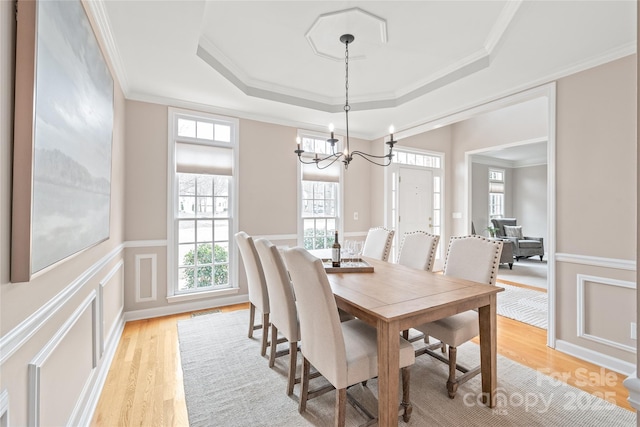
(346, 155)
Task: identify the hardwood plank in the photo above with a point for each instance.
(517, 341)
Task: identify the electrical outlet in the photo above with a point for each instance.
(634, 332)
(355, 216)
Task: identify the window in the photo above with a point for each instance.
(319, 200)
(496, 193)
(201, 221)
(416, 159)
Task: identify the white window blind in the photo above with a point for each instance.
(496, 187)
(329, 174)
(203, 159)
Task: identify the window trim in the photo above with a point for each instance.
(340, 199)
(504, 191)
(172, 202)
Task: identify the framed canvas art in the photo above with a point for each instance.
(62, 137)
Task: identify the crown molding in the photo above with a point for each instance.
(464, 67)
(502, 98)
(206, 108)
(99, 15)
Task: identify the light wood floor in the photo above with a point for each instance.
(144, 384)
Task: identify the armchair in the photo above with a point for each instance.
(523, 246)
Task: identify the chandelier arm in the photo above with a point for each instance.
(336, 157)
(317, 160)
(368, 157)
(373, 156)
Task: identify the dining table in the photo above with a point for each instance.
(393, 298)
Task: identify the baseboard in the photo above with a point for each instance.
(177, 308)
(633, 385)
(596, 358)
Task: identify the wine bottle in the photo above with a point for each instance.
(335, 252)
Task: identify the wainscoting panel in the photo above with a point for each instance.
(21, 334)
(146, 277)
(111, 303)
(595, 304)
(74, 344)
(593, 293)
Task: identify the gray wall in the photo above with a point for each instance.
(525, 197)
(529, 199)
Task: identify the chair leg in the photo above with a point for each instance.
(304, 385)
(293, 361)
(406, 400)
(265, 333)
(452, 383)
(341, 407)
(274, 345)
(252, 315)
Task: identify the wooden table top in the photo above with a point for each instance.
(394, 292)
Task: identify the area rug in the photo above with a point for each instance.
(526, 271)
(522, 304)
(228, 383)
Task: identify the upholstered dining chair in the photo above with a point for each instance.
(472, 258)
(378, 243)
(418, 250)
(282, 303)
(258, 294)
(345, 353)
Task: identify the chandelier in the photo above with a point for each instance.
(346, 155)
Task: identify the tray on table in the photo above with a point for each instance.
(356, 266)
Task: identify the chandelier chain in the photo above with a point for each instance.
(346, 77)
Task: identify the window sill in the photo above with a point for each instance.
(202, 295)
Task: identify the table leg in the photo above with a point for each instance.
(488, 351)
(388, 372)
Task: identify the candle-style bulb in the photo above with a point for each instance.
(331, 129)
(391, 129)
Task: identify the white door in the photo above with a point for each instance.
(415, 201)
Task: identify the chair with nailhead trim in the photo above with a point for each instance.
(378, 243)
(418, 250)
(472, 258)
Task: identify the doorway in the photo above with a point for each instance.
(541, 201)
(415, 196)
